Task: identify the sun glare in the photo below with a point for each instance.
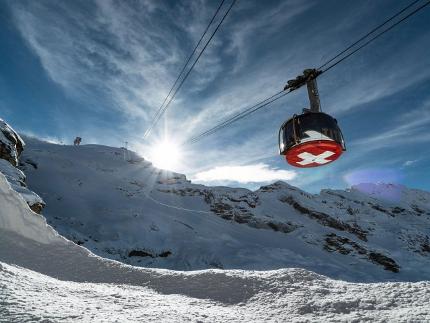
(165, 155)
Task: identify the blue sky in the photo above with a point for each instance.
(100, 70)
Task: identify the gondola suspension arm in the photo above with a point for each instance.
(308, 77)
(314, 97)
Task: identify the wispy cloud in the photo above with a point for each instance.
(257, 173)
(410, 127)
(50, 139)
(349, 87)
(124, 55)
(258, 31)
(125, 51)
(410, 162)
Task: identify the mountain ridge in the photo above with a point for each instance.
(129, 211)
(116, 204)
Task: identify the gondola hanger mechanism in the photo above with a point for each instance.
(313, 138)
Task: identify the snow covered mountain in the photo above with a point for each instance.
(46, 277)
(119, 206)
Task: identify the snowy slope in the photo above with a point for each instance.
(127, 210)
(44, 277)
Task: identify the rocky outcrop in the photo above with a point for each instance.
(235, 205)
(345, 246)
(170, 178)
(143, 253)
(325, 219)
(334, 212)
(11, 147)
(386, 262)
(11, 144)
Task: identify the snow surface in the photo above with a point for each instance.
(44, 277)
(119, 206)
(16, 179)
(291, 295)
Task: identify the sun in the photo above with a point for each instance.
(165, 155)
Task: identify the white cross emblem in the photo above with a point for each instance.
(314, 135)
(308, 158)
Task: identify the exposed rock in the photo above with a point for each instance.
(346, 246)
(397, 210)
(277, 186)
(325, 219)
(416, 242)
(37, 207)
(170, 178)
(140, 253)
(328, 192)
(164, 254)
(388, 263)
(237, 206)
(380, 209)
(11, 147)
(282, 227)
(342, 245)
(11, 144)
(188, 191)
(143, 253)
(418, 210)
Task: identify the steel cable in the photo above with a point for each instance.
(162, 109)
(281, 94)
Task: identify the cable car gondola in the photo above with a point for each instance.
(312, 138)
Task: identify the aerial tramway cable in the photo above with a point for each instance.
(368, 34)
(183, 68)
(427, 2)
(240, 115)
(264, 103)
(164, 106)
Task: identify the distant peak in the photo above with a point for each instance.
(278, 185)
(385, 191)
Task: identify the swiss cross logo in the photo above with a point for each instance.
(314, 153)
(309, 158)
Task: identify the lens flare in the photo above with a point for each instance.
(373, 175)
(378, 183)
(165, 155)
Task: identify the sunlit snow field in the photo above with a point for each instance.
(45, 277)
